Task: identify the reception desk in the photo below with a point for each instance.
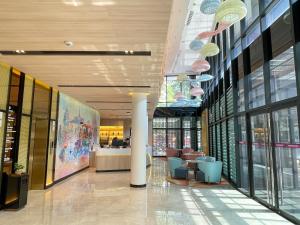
(115, 159)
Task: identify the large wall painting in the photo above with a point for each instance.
(77, 132)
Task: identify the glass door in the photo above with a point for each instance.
(287, 149)
(262, 158)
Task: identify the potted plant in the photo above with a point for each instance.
(18, 168)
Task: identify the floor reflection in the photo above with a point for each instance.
(106, 198)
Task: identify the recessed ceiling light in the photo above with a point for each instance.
(68, 43)
(20, 51)
(126, 52)
(131, 52)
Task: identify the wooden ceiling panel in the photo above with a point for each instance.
(103, 25)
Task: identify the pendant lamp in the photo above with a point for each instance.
(205, 77)
(208, 34)
(209, 49)
(197, 91)
(209, 6)
(200, 66)
(196, 45)
(231, 11)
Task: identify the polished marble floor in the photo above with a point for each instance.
(91, 198)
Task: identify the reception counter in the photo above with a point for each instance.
(115, 159)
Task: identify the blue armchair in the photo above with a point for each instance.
(206, 158)
(209, 172)
(174, 163)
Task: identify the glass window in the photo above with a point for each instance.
(236, 31)
(237, 49)
(251, 35)
(224, 148)
(174, 139)
(231, 144)
(174, 123)
(252, 11)
(159, 122)
(287, 148)
(266, 3)
(189, 122)
(256, 54)
(283, 77)
(244, 162)
(240, 95)
(159, 142)
(281, 34)
(256, 88)
(274, 13)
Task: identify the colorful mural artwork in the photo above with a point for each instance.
(76, 135)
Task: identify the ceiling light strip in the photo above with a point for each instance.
(77, 53)
(102, 86)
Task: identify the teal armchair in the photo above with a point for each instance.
(173, 163)
(209, 172)
(206, 158)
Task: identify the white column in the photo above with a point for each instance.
(138, 140)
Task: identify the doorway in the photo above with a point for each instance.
(263, 174)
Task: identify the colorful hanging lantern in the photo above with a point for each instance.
(209, 49)
(197, 91)
(208, 34)
(209, 6)
(231, 11)
(200, 66)
(196, 45)
(204, 77)
(182, 77)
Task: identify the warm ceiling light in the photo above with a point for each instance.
(20, 51)
(126, 52)
(103, 3)
(131, 52)
(209, 49)
(68, 43)
(231, 11)
(73, 2)
(209, 6)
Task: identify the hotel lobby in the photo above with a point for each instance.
(173, 112)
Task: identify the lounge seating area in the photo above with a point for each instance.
(205, 168)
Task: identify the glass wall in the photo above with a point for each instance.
(287, 148)
(263, 156)
(283, 76)
(176, 132)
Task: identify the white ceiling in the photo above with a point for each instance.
(102, 25)
(181, 58)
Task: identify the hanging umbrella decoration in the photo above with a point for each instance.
(209, 7)
(197, 91)
(200, 65)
